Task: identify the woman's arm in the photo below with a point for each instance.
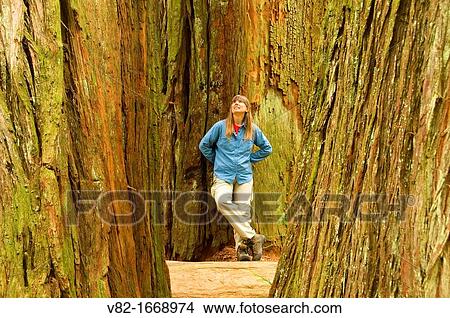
(265, 148)
(209, 141)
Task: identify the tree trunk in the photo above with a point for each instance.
(376, 121)
(207, 52)
(75, 117)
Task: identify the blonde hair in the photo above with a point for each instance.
(248, 119)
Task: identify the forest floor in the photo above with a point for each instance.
(222, 276)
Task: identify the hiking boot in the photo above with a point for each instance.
(256, 245)
(242, 252)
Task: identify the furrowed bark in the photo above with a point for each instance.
(74, 113)
(376, 122)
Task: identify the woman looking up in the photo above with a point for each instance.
(229, 146)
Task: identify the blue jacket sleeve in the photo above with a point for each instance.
(208, 143)
(265, 148)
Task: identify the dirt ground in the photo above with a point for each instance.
(222, 276)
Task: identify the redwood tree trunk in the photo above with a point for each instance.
(204, 52)
(74, 117)
(376, 120)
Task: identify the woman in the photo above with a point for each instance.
(228, 145)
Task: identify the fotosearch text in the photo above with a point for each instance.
(129, 207)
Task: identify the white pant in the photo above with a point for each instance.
(234, 202)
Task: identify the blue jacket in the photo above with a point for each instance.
(233, 158)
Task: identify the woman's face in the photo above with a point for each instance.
(238, 107)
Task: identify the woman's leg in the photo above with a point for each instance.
(243, 196)
(238, 214)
